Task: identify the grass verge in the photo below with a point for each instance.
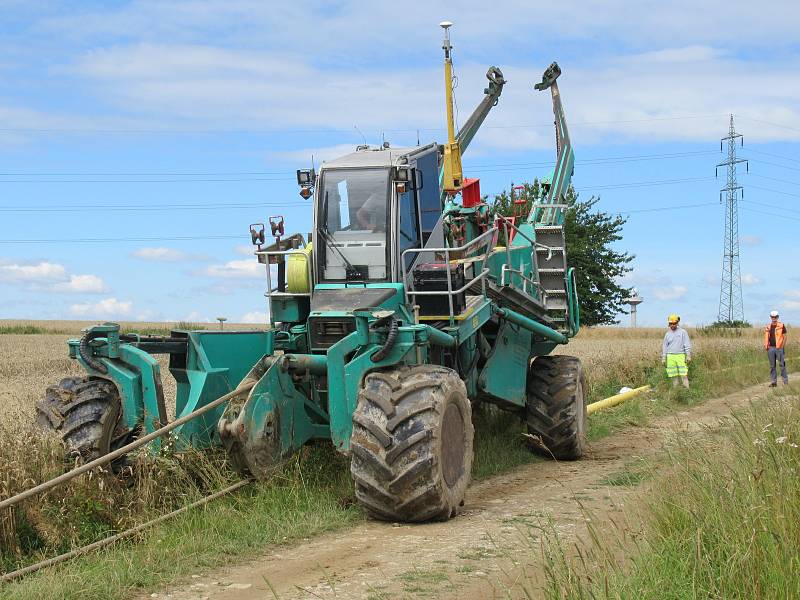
(722, 520)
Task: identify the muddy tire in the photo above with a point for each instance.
(87, 415)
(412, 444)
(556, 407)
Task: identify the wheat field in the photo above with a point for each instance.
(34, 361)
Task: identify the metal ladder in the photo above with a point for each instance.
(551, 263)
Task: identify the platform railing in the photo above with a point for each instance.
(285, 254)
(486, 241)
(509, 267)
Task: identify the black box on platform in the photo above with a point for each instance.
(429, 277)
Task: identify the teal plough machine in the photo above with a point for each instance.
(410, 303)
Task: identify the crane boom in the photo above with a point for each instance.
(565, 160)
(478, 116)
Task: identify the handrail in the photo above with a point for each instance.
(573, 301)
(463, 288)
(270, 291)
(409, 291)
(507, 221)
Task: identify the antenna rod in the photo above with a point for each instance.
(452, 151)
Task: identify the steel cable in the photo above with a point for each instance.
(119, 536)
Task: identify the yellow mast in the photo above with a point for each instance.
(452, 152)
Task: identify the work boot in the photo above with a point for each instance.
(773, 385)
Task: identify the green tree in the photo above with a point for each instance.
(589, 235)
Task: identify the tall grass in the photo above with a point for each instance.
(722, 520)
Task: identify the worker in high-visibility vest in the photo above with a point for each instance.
(774, 343)
(676, 352)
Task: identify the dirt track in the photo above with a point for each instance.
(478, 554)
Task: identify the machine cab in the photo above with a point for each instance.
(370, 206)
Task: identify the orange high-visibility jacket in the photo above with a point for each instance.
(780, 335)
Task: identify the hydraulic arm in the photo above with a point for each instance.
(565, 161)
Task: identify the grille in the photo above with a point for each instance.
(326, 332)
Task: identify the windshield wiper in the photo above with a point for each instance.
(350, 270)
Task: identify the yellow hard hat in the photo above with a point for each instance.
(673, 318)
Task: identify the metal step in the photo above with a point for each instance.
(516, 300)
(550, 235)
(556, 299)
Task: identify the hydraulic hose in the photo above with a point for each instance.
(86, 354)
(391, 339)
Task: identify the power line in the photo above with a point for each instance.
(787, 127)
(246, 235)
(781, 156)
(771, 214)
(159, 174)
(665, 208)
(766, 162)
(191, 131)
(247, 205)
(758, 187)
(636, 184)
(227, 180)
(137, 208)
(114, 240)
(775, 179)
(781, 208)
(589, 161)
(250, 176)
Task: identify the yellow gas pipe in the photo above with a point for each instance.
(617, 399)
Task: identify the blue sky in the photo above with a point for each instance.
(150, 121)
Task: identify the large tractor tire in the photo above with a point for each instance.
(412, 444)
(556, 407)
(87, 415)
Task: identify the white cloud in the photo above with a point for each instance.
(41, 272)
(237, 269)
(751, 240)
(790, 304)
(674, 292)
(108, 308)
(244, 250)
(750, 279)
(52, 277)
(160, 254)
(320, 154)
(255, 317)
(82, 284)
(197, 317)
(792, 294)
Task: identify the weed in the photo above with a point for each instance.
(722, 520)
